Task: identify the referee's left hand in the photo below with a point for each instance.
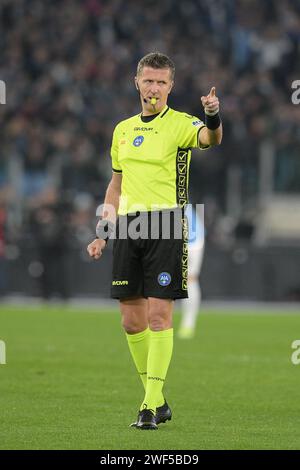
(210, 102)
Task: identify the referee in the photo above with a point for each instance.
(150, 165)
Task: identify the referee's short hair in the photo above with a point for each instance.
(156, 60)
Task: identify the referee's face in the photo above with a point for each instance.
(154, 83)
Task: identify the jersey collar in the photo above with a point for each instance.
(161, 114)
(164, 111)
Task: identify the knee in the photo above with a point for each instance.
(131, 325)
(128, 326)
(160, 320)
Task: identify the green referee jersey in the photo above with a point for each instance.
(154, 159)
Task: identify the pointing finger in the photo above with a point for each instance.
(212, 92)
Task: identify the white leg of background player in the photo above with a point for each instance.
(191, 306)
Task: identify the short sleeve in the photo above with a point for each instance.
(188, 131)
(115, 152)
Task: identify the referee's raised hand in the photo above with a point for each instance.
(210, 102)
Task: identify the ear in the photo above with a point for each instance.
(171, 86)
(136, 83)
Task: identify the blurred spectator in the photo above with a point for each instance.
(3, 281)
(50, 228)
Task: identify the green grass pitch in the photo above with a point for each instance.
(69, 383)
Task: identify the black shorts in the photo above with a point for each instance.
(150, 266)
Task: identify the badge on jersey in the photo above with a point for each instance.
(138, 140)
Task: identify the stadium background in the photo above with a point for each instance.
(68, 381)
(68, 68)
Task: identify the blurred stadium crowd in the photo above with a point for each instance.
(69, 67)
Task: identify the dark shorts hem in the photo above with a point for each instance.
(156, 295)
(125, 295)
(169, 295)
